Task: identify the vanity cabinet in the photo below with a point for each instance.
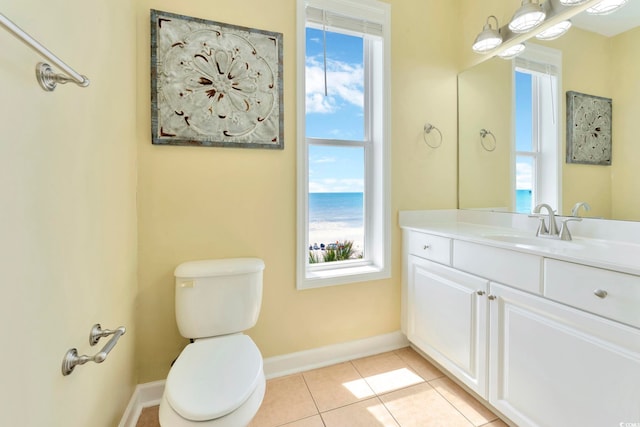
(447, 319)
(530, 334)
(553, 365)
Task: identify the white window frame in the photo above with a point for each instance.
(546, 125)
(376, 263)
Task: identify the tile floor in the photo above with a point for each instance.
(398, 388)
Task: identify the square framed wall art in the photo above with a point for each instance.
(588, 129)
(215, 84)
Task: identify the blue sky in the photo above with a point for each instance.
(524, 167)
(337, 115)
(524, 130)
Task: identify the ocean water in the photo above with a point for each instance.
(523, 201)
(336, 217)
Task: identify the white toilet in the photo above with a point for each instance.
(218, 380)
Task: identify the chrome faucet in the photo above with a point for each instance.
(552, 231)
(543, 231)
(576, 208)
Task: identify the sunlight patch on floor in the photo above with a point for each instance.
(393, 380)
(359, 388)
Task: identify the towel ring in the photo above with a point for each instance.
(483, 135)
(428, 127)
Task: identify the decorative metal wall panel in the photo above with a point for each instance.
(214, 84)
(588, 129)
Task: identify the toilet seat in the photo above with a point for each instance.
(213, 377)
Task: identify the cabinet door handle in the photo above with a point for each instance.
(600, 293)
(492, 297)
(425, 247)
(480, 293)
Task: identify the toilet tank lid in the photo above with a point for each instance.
(219, 267)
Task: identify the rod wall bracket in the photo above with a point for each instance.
(48, 79)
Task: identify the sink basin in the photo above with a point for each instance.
(591, 250)
(533, 241)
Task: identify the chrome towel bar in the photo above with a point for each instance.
(71, 358)
(47, 78)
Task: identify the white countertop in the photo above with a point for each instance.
(516, 232)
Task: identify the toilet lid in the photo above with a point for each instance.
(214, 376)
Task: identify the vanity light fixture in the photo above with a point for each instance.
(488, 38)
(529, 16)
(554, 32)
(513, 51)
(606, 7)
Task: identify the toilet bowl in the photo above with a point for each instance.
(218, 379)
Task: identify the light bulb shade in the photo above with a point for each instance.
(512, 52)
(487, 39)
(529, 16)
(554, 32)
(572, 2)
(606, 7)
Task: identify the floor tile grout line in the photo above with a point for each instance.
(457, 409)
(390, 413)
(352, 403)
(313, 399)
(414, 370)
(375, 395)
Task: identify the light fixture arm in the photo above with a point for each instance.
(489, 25)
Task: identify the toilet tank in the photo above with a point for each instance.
(218, 297)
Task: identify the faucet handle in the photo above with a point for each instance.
(542, 228)
(564, 229)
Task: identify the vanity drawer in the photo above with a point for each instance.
(606, 293)
(428, 246)
(516, 269)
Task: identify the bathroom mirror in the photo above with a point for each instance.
(604, 64)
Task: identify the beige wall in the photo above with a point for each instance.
(197, 203)
(581, 73)
(486, 92)
(68, 221)
(626, 110)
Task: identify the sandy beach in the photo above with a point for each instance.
(329, 232)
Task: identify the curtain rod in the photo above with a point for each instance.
(45, 74)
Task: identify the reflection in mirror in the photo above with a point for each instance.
(605, 65)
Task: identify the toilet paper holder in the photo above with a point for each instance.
(71, 358)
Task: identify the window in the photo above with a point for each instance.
(537, 117)
(343, 142)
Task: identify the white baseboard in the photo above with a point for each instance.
(145, 395)
(150, 394)
(300, 361)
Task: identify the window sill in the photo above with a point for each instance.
(342, 276)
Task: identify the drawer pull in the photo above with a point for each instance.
(600, 293)
(480, 293)
(425, 247)
(492, 297)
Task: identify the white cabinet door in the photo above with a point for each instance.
(553, 365)
(447, 319)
